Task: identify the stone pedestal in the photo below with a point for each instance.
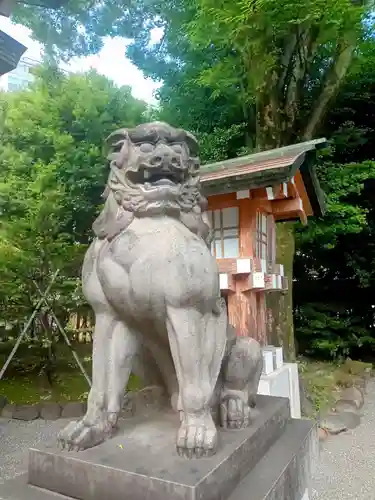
(269, 460)
(283, 382)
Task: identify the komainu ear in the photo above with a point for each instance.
(193, 145)
(118, 135)
(117, 146)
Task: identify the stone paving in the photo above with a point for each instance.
(347, 461)
(16, 437)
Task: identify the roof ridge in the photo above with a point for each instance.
(289, 151)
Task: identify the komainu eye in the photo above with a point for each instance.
(146, 147)
(177, 148)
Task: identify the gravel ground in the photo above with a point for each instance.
(17, 437)
(347, 461)
(345, 472)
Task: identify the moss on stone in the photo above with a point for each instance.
(280, 305)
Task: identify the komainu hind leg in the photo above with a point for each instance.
(197, 349)
(241, 372)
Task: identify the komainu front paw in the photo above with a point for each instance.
(83, 434)
(235, 412)
(197, 437)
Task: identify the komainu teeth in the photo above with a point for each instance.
(146, 174)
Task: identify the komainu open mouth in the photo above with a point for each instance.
(156, 177)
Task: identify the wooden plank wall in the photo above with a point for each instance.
(246, 308)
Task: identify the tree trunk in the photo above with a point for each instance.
(279, 306)
(275, 128)
(280, 327)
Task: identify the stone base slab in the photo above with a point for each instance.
(272, 460)
(284, 473)
(141, 462)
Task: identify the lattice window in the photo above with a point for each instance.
(225, 225)
(265, 241)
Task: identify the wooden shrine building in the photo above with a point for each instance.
(247, 196)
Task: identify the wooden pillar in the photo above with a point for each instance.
(243, 301)
(247, 227)
(251, 304)
(239, 311)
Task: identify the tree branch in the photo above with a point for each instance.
(286, 61)
(297, 74)
(335, 76)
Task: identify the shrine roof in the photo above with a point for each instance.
(265, 169)
(10, 53)
(10, 49)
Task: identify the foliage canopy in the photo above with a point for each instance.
(52, 174)
(243, 75)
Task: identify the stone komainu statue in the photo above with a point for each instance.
(154, 287)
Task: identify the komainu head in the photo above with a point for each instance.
(154, 171)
